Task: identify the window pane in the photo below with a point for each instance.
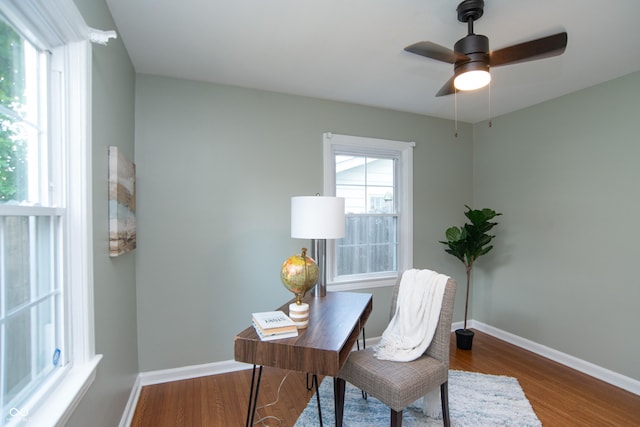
(30, 341)
(368, 185)
(12, 62)
(350, 170)
(380, 200)
(13, 161)
(20, 110)
(351, 183)
(17, 351)
(380, 172)
(370, 245)
(45, 336)
(354, 198)
(15, 269)
(43, 257)
(29, 317)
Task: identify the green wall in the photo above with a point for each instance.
(565, 174)
(216, 168)
(112, 118)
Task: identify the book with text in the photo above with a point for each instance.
(268, 336)
(273, 322)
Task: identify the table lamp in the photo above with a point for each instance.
(318, 218)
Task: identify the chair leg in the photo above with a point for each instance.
(396, 418)
(444, 397)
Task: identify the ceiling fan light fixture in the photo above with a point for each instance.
(471, 57)
(472, 79)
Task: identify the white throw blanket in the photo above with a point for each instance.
(414, 322)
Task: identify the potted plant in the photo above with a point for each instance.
(468, 243)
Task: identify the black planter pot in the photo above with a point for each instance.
(464, 339)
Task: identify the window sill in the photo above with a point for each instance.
(58, 405)
(355, 285)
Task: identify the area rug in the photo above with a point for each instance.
(474, 400)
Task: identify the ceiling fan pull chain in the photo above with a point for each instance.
(455, 111)
(490, 112)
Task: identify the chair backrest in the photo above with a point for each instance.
(439, 347)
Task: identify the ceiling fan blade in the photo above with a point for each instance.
(434, 51)
(544, 47)
(448, 88)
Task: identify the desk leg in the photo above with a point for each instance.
(339, 386)
(309, 386)
(364, 345)
(253, 396)
(314, 381)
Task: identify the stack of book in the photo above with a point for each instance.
(273, 325)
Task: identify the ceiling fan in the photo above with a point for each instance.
(471, 57)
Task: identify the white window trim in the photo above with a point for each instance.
(56, 402)
(60, 403)
(405, 205)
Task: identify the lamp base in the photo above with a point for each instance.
(319, 254)
(299, 313)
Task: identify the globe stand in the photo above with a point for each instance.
(298, 274)
(299, 313)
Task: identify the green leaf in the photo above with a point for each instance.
(453, 234)
(476, 217)
(485, 250)
(489, 214)
(484, 239)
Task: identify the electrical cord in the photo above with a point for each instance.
(262, 420)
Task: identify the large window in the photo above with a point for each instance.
(374, 177)
(30, 288)
(45, 240)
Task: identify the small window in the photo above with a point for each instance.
(374, 177)
(370, 244)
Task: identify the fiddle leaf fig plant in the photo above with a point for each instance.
(470, 242)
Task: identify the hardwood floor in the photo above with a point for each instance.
(560, 396)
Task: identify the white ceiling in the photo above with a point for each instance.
(352, 50)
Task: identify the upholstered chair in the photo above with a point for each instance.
(398, 384)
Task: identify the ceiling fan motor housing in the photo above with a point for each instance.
(476, 49)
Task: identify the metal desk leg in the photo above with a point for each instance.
(309, 386)
(314, 383)
(253, 396)
(314, 380)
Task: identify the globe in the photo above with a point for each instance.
(299, 273)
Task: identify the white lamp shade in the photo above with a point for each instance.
(317, 217)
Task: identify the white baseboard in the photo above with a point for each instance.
(606, 375)
(195, 371)
(459, 325)
(130, 409)
(591, 369)
(175, 374)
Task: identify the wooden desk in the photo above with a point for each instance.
(335, 321)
